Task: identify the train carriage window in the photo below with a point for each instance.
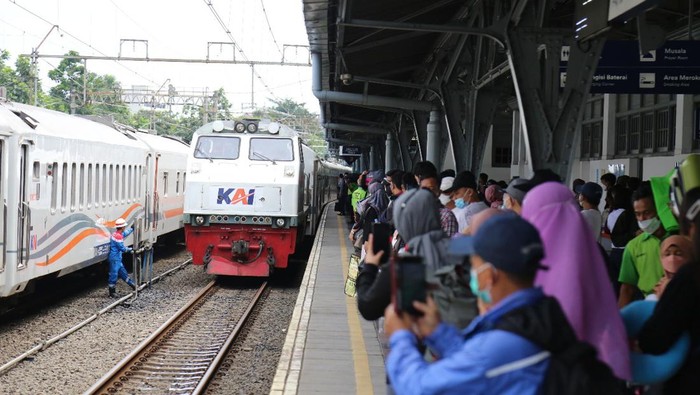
(35, 172)
(165, 183)
(271, 149)
(97, 184)
(116, 185)
(111, 184)
(123, 183)
(64, 186)
(81, 200)
(73, 185)
(129, 184)
(54, 187)
(104, 185)
(89, 186)
(217, 147)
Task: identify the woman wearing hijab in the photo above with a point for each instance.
(417, 220)
(676, 251)
(577, 275)
(678, 309)
(371, 210)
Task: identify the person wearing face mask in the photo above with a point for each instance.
(466, 198)
(641, 269)
(482, 359)
(678, 309)
(676, 251)
(513, 197)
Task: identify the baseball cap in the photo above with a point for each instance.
(513, 191)
(591, 191)
(517, 249)
(464, 179)
(446, 183)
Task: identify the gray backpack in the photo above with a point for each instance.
(455, 301)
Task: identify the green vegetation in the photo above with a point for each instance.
(79, 91)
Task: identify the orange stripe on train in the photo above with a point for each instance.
(111, 224)
(173, 212)
(63, 251)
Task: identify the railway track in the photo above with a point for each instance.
(183, 355)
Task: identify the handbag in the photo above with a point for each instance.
(351, 278)
(357, 243)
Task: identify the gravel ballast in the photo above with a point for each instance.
(75, 363)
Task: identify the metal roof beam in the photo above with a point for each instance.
(426, 27)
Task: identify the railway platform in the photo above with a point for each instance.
(329, 348)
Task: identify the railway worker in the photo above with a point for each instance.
(116, 248)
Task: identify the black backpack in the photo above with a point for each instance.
(573, 365)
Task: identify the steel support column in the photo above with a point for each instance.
(389, 155)
(483, 103)
(420, 125)
(548, 116)
(432, 144)
(454, 108)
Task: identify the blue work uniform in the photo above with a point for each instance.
(116, 267)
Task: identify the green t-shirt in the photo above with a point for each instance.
(641, 263)
(357, 195)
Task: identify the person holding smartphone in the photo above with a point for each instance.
(505, 254)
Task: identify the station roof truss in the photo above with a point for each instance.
(440, 52)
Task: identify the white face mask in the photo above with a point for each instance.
(444, 199)
(649, 225)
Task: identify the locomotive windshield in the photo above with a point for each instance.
(217, 147)
(271, 149)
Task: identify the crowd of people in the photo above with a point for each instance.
(519, 274)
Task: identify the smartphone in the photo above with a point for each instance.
(409, 283)
(382, 240)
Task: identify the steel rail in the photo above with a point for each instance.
(49, 342)
(194, 376)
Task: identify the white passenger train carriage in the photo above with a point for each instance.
(253, 191)
(66, 179)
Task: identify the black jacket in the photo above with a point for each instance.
(373, 287)
(625, 229)
(677, 311)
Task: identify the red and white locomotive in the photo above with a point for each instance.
(253, 190)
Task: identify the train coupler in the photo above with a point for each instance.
(207, 256)
(271, 259)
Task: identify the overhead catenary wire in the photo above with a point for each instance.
(269, 27)
(80, 41)
(236, 46)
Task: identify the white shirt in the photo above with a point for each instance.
(464, 215)
(594, 220)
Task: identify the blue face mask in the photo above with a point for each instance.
(483, 294)
(460, 203)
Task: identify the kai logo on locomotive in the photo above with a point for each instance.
(235, 196)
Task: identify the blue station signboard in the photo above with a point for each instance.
(673, 68)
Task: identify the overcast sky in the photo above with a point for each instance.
(174, 29)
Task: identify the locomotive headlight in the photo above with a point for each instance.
(199, 220)
(289, 171)
(279, 222)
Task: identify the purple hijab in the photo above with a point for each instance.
(577, 276)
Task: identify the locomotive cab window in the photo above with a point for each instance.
(271, 149)
(217, 147)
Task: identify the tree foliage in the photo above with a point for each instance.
(80, 91)
(19, 81)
